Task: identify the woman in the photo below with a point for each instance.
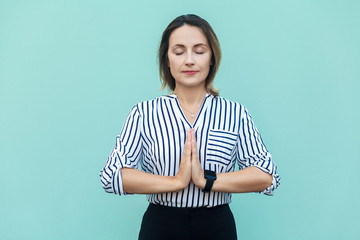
(188, 143)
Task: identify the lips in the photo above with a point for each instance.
(190, 72)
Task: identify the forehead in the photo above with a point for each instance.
(188, 36)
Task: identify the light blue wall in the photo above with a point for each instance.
(71, 70)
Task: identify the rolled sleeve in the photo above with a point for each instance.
(253, 153)
(127, 152)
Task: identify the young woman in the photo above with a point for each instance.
(187, 144)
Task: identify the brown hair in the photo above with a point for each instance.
(192, 20)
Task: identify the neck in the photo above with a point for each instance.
(190, 97)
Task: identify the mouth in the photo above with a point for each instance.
(190, 72)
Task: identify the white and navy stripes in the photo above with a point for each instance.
(153, 138)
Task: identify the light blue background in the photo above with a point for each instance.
(70, 71)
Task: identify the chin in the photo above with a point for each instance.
(189, 84)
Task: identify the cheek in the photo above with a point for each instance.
(206, 63)
(173, 66)
(171, 63)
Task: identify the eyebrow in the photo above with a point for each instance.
(196, 45)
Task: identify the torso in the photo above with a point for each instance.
(164, 126)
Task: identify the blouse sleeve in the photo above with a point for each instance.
(127, 152)
(252, 151)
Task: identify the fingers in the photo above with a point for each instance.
(196, 170)
(193, 145)
(190, 148)
(187, 147)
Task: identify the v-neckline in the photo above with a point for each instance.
(181, 112)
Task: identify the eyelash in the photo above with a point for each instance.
(182, 53)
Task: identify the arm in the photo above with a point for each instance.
(257, 170)
(251, 152)
(126, 153)
(250, 179)
(136, 181)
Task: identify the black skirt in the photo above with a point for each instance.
(171, 223)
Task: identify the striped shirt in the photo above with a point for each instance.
(153, 137)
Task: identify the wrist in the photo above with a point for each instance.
(200, 181)
(210, 177)
(177, 184)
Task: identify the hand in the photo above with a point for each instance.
(183, 176)
(197, 173)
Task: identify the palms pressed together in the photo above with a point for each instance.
(190, 168)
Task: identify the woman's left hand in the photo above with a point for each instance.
(197, 173)
(250, 179)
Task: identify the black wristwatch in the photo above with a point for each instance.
(210, 178)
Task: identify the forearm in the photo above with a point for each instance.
(250, 179)
(137, 181)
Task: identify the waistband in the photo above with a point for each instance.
(168, 209)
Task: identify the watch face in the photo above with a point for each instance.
(210, 174)
(211, 177)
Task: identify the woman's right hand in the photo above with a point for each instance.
(183, 176)
(137, 181)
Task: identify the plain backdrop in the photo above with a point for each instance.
(70, 71)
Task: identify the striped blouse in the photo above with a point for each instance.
(153, 138)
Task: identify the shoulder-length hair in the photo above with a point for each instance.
(192, 20)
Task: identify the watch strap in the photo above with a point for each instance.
(210, 178)
(208, 185)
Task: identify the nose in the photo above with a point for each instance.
(189, 61)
